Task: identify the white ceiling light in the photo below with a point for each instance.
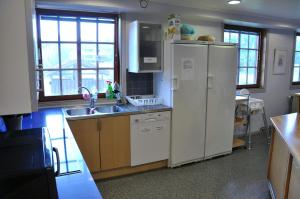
(234, 2)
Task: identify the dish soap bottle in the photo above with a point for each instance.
(109, 90)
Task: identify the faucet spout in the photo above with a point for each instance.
(92, 100)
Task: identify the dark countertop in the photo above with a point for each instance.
(79, 184)
(76, 180)
(127, 109)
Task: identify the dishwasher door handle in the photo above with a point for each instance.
(150, 120)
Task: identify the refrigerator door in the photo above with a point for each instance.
(220, 99)
(189, 87)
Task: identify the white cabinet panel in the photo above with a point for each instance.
(17, 79)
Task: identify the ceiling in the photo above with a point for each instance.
(288, 9)
(281, 14)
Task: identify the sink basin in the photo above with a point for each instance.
(80, 111)
(109, 109)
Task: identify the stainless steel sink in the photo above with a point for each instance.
(80, 111)
(109, 109)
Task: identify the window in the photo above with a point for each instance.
(296, 69)
(76, 49)
(250, 45)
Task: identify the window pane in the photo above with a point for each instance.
(243, 57)
(252, 61)
(89, 79)
(298, 43)
(49, 30)
(296, 74)
(234, 38)
(253, 41)
(251, 76)
(226, 36)
(69, 82)
(51, 83)
(50, 55)
(242, 76)
(106, 55)
(88, 31)
(297, 59)
(103, 76)
(244, 41)
(88, 55)
(106, 32)
(68, 55)
(68, 31)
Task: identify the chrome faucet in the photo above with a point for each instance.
(92, 100)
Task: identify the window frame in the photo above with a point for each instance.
(294, 56)
(116, 69)
(261, 32)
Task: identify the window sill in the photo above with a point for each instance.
(255, 90)
(70, 103)
(294, 86)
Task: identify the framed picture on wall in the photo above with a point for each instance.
(279, 62)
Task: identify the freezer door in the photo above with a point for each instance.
(189, 87)
(220, 99)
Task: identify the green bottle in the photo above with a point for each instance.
(109, 91)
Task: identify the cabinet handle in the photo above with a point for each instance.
(159, 128)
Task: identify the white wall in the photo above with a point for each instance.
(277, 87)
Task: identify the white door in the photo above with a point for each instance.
(189, 85)
(220, 99)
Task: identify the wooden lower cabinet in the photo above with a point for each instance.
(105, 145)
(294, 191)
(87, 137)
(279, 167)
(114, 142)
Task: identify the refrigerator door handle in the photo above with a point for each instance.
(175, 83)
(210, 81)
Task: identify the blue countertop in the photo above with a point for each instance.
(79, 184)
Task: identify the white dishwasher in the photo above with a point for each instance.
(150, 137)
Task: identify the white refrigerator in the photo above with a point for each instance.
(202, 95)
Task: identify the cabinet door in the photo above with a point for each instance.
(17, 87)
(278, 166)
(87, 137)
(114, 142)
(294, 191)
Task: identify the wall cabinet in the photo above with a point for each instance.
(103, 142)
(145, 47)
(17, 57)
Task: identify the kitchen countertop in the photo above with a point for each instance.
(288, 127)
(127, 109)
(76, 185)
(76, 180)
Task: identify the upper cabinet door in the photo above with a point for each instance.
(17, 58)
(145, 47)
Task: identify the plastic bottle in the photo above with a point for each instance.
(109, 91)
